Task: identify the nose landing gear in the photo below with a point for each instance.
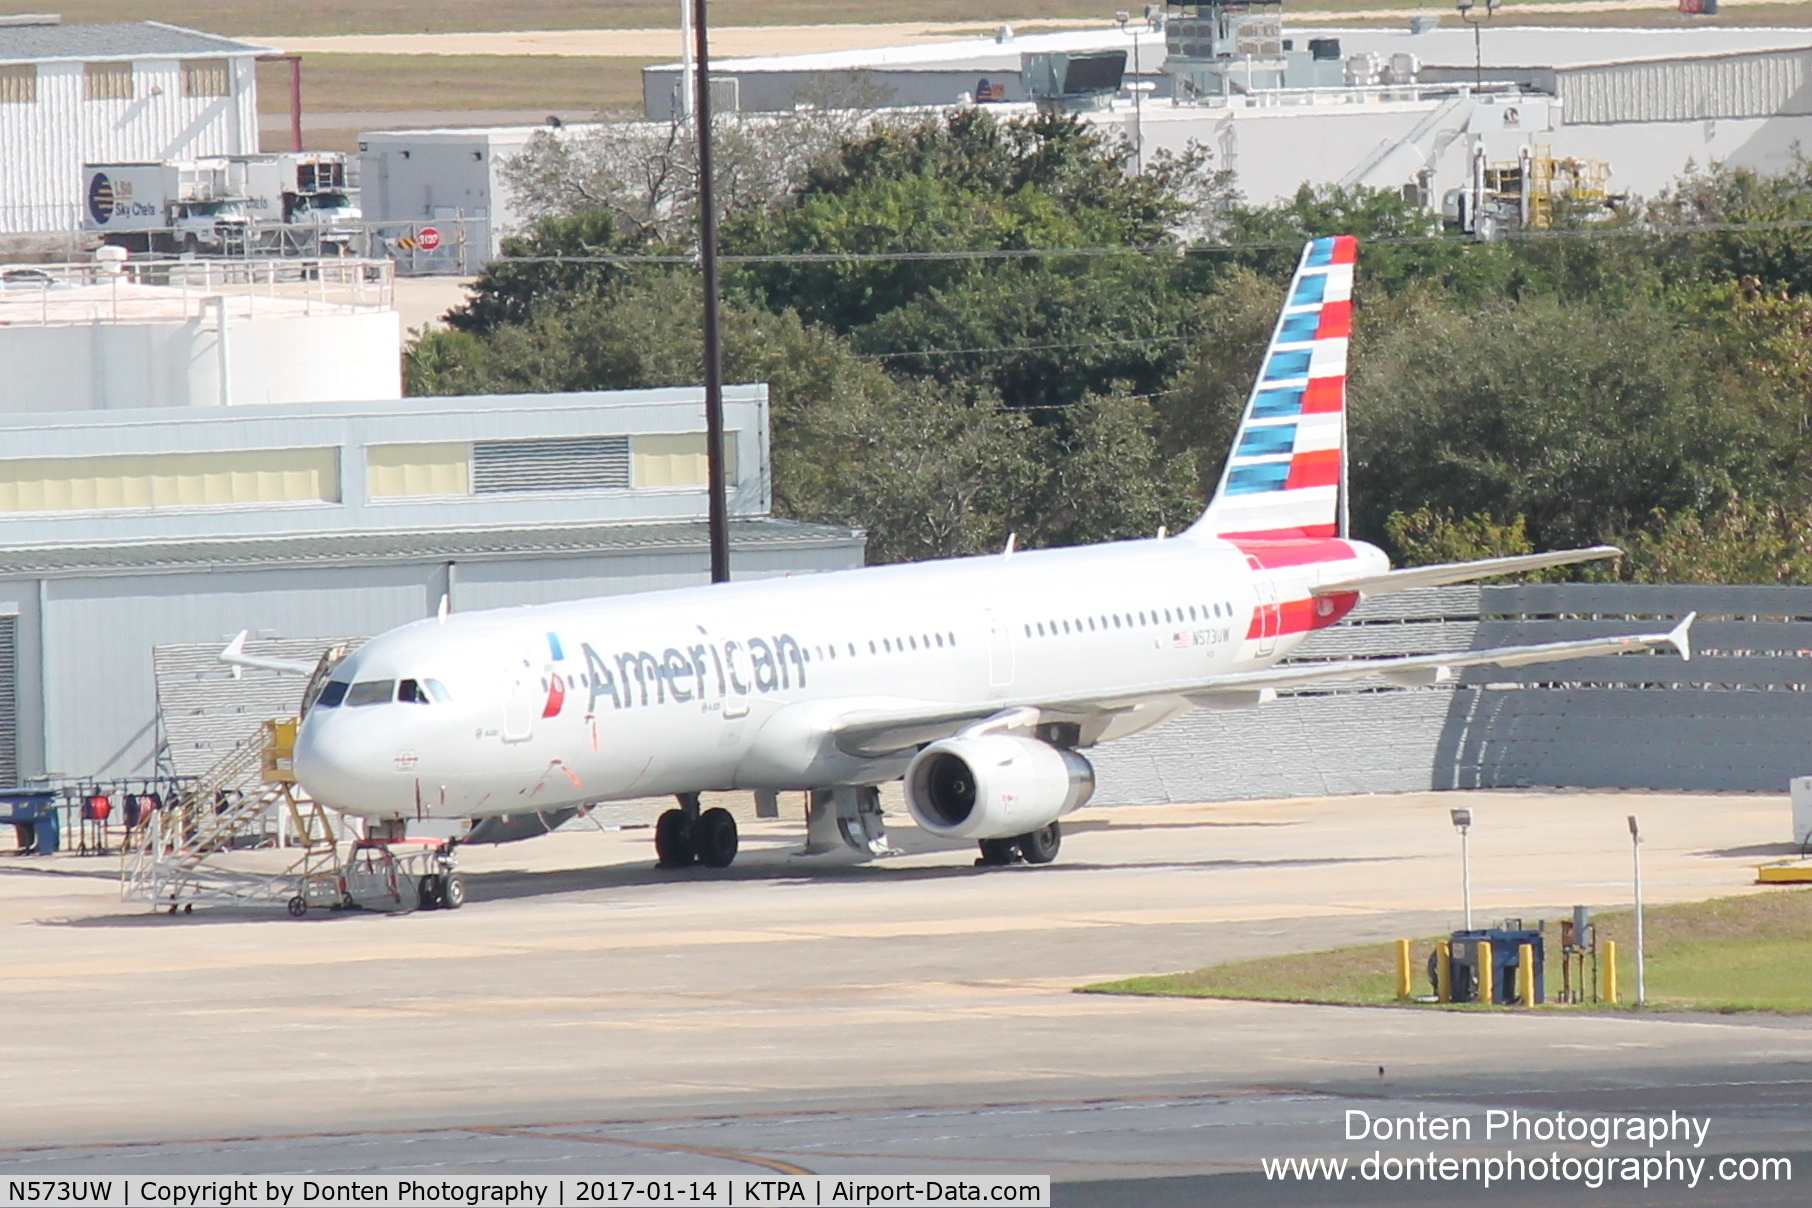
(686, 836)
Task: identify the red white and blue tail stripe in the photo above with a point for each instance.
(1287, 472)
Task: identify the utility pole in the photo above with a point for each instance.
(1636, 855)
(707, 262)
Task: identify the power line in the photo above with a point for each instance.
(1158, 249)
(952, 352)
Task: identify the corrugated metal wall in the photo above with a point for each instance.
(1738, 716)
(9, 701)
(1765, 84)
(48, 142)
(206, 712)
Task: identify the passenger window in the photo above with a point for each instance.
(438, 691)
(1192, 612)
(371, 692)
(1116, 620)
(333, 694)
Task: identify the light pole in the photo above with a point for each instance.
(1636, 855)
(1462, 822)
(1154, 22)
(686, 52)
(1478, 49)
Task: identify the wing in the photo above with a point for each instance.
(874, 733)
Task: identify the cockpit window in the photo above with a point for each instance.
(411, 693)
(332, 694)
(371, 692)
(438, 691)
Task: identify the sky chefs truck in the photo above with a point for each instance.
(170, 207)
(228, 205)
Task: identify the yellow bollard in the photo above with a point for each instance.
(1525, 974)
(1443, 968)
(1610, 970)
(1487, 975)
(1405, 985)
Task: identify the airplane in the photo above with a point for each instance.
(979, 681)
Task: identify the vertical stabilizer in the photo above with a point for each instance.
(1286, 475)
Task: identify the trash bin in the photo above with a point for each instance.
(33, 814)
(1506, 954)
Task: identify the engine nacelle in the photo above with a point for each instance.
(994, 786)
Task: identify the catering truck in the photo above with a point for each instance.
(296, 203)
(306, 191)
(182, 206)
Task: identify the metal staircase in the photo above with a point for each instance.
(185, 854)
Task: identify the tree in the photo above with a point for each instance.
(644, 175)
(1582, 419)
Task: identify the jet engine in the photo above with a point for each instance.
(994, 786)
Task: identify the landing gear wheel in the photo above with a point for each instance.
(298, 906)
(452, 892)
(673, 840)
(714, 838)
(1040, 846)
(996, 852)
(427, 893)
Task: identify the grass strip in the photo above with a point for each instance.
(1725, 955)
(454, 83)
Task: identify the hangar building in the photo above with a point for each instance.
(127, 92)
(126, 531)
(1397, 108)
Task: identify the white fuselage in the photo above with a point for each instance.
(737, 686)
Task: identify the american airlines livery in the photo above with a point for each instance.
(982, 681)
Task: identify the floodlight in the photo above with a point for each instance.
(1462, 818)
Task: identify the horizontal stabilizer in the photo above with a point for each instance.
(235, 655)
(1461, 572)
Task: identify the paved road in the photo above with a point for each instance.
(587, 1013)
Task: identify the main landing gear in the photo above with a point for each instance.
(1034, 847)
(686, 836)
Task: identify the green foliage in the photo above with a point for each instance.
(1741, 542)
(1644, 380)
(508, 293)
(1426, 536)
(1581, 418)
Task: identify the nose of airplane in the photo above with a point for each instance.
(348, 766)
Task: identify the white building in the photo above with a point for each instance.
(1646, 101)
(452, 178)
(135, 92)
(107, 336)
